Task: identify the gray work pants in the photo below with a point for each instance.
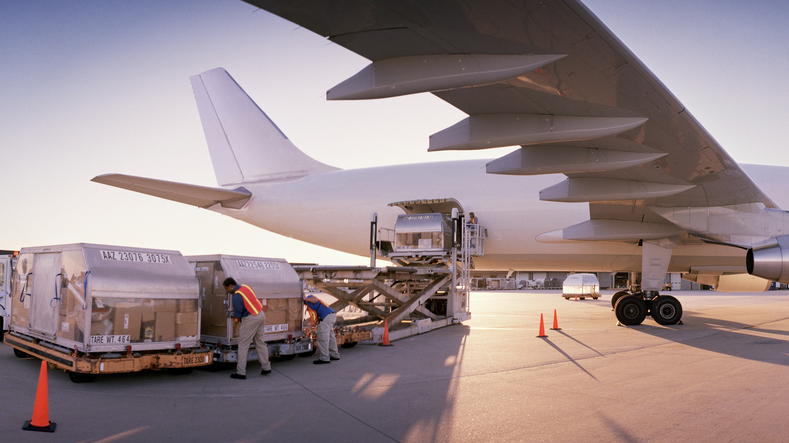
(327, 341)
(252, 328)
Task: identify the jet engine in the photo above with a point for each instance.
(770, 261)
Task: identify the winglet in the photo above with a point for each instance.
(245, 145)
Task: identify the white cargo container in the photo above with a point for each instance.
(581, 286)
(92, 309)
(275, 283)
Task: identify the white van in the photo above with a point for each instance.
(581, 286)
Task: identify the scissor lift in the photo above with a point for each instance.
(428, 285)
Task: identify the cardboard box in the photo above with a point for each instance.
(148, 311)
(69, 329)
(167, 305)
(127, 319)
(276, 318)
(185, 329)
(103, 327)
(187, 306)
(183, 318)
(164, 329)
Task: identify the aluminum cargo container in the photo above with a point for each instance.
(423, 234)
(581, 286)
(88, 299)
(275, 283)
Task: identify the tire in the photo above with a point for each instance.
(617, 296)
(20, 354)
(666, 310)
(308, 353)
(631, 310)
(79, 377)
(348, 345)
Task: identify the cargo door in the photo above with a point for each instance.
(214, 311)
(45, 294)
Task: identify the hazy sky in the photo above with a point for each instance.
(93, 87)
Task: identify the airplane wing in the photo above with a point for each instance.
(200, 196)
(550, 77)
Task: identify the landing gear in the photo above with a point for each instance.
(615, 298)
(666, 310)
(631, 310)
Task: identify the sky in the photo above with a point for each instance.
(102, 86)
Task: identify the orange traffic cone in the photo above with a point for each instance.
(576, 297)
(555, 322)
(542, 328)
(386, 333)
(40, 421)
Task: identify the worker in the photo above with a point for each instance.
(248, 310)
(472, 219)
(326, 341)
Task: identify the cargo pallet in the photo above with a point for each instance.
(84, 367)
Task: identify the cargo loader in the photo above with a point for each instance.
(95, 309)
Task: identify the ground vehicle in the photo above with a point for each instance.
(96, 309)
(581, 286)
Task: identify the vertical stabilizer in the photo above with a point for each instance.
(245, 145)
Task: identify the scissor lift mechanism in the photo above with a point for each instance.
(423, 294)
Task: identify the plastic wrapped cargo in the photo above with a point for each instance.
(275, 283)
(98, 298)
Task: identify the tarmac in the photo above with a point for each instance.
(720, 376)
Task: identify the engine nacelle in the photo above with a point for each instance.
(770, 262)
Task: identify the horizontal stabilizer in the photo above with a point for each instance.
(200, 196)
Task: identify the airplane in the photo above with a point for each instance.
(609, 172)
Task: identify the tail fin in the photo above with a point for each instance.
(245, 145)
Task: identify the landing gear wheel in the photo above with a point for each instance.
(666, 310)
(615, 298)
(81, 377)
(631, 310)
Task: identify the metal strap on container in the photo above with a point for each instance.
(24, 286)
(85, 292)
(56, 299)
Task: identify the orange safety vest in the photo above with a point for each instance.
(313, 314)
(251, 302)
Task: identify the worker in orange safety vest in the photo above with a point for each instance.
(248, 310)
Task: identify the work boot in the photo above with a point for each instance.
(238, 376)
(321, 362)
(334, 358)
(265, 372)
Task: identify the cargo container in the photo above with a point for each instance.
(94, 309)
(278, 287)
(581, 286)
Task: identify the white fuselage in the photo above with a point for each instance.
(333, 210)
